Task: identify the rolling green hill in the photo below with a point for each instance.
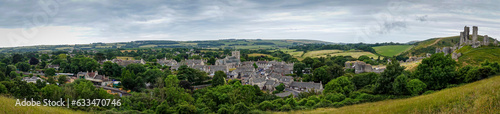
(477, 97)
(474, 56)
(8, 107)
(392, 50)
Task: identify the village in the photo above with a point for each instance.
(265, 74)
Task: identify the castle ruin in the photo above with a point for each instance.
(465, 40)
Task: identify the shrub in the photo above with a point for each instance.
(462, 74)
(266, 105)
(310, 103)
(437, 71)
(364, 79)
(240, 108)
(335, 97)
(3, 89)
(415, 86)
(369, 97)
(339, 85)
(291, 102)
(302, 102)
(472, 75)
(354, 94)
(314, 98)
(428, 92)
(349, 101)
(399, 85)
(323, 103)
(286, 107)
(337, 104)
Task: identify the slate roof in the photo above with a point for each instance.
(308, 85)
(286, 93)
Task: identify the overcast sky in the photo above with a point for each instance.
(48, 22)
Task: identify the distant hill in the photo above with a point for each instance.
(211, 44)
(478, 97)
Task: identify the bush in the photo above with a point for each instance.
(302, 102)
(314, 98)
(286, 107)
(310, 103)
(415, 86)
(399, 85)
(291, 102)
(240, 108)
(266, 105)
(436, 71)
(323, 103)
(354, 94)
(369, 97)
(335, 97)
(428, 92)
(3, 89)
(349, 101)
(339, 85)
(337, 104)
(479, 73)
(364, 79)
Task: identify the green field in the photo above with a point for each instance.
(479, 97)
(258, 54)
(148, 46)
(392, 50)
(7, 106)
(321, 53)
(474, 56)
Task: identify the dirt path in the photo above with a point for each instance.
(435, 42)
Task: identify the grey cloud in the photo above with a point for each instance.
(336, 21)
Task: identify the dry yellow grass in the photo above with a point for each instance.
(128, 51)
(478, 97)
(125, 58)
(258, 54)
(7, 106)
(353, 54)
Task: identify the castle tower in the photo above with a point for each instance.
(462, 39)
(486, 40)
(236, 54)
(466, 32)
(474, 34)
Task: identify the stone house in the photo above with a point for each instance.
(306, 86)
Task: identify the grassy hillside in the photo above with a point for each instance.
(430, 45)
(391, 50)
(478, 97)
(474, 56)
(7, 106)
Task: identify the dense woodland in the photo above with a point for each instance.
(172, 92)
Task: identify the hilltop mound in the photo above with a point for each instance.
(430, 45)
(478, 97)
(474, 56)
